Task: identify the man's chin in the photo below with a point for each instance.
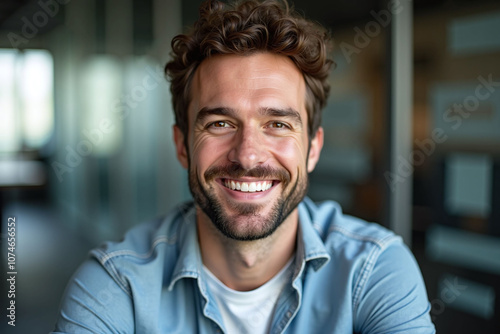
(246, 222)
(238, 209)
(247, 228)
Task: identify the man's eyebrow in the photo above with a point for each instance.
(219, 111)
(269, 112)
(276, 112)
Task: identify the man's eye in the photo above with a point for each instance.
(279, 125)
(219, 124)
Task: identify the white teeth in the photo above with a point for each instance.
(252, 187)
(248, 186)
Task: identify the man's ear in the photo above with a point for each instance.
(315, 150)
(180, 148)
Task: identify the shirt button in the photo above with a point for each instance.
(288, 314)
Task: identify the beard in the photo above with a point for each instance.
(248, 223)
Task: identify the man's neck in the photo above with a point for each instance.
(246, 265)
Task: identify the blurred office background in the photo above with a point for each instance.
(412, 137)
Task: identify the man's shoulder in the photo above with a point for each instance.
(339, 230)
(142, 242)
(350, 243)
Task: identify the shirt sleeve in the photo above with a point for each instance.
(94, 303)
(394, 298)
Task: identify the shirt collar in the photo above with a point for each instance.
(310, 247)
(309, 242)
(189, 261)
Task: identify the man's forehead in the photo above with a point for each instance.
(264, 74)
(233, 62)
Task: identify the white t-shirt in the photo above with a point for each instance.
(248, 311)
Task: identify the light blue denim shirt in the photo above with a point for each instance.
(349, 277)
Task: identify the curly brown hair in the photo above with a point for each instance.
(243, 29)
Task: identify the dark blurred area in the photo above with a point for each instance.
(86, 149)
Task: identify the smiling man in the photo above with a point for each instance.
(252, 254)
(248, 155)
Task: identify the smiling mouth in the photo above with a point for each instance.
(249, 187)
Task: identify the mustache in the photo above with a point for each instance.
(234, 171)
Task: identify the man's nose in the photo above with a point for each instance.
(249, 149)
